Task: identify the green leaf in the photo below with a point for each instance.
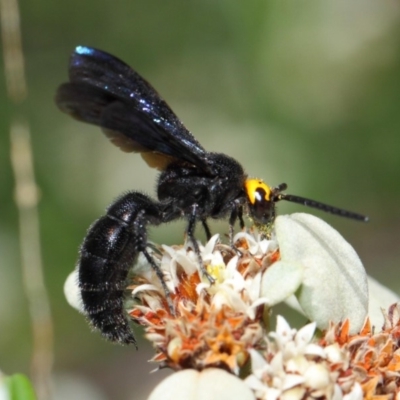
(19, 387)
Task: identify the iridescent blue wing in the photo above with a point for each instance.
(105, 91)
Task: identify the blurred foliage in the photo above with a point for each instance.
(19, 387)
(300, 92)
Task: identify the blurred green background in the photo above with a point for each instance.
(306, 93)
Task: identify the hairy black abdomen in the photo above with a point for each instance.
(106, 256)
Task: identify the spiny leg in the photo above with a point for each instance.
(140, 238)
(160, 276)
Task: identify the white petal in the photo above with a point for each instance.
(186, 262)
(296, 393)
(280, 281)
(276, 364)
(209, 384)
(294, 303)
(355, 394)
(142, 264)
(232, 265)
(282, 327)
(209, 247)
(335, 354)
(253, 383)
(379, 297)
(317, 376)
(291, 380)
(337, 392)
(227, 296)
(236, 281)
(72, 291)
(268, 245)
(297, 364)
(153, 302)
(272, 394)
(305, 334)
(143, 288)
(335, 284)
(253, 287)
(257, 360)
(313, 349)
(155, 337)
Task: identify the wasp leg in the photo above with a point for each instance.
(190, 232)
(240, 217)
(236, 214)
(232, 220)
(206, 229)
(160, 276)
(107, 253)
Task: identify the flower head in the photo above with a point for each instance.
(212, 324)
(294, 365)
(223, 324)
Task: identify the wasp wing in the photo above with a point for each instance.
(105, 91)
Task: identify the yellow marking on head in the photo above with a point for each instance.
(252, 185)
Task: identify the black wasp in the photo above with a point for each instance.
(194, 184)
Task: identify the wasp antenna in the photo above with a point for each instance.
(280, 188)
(323, 207)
